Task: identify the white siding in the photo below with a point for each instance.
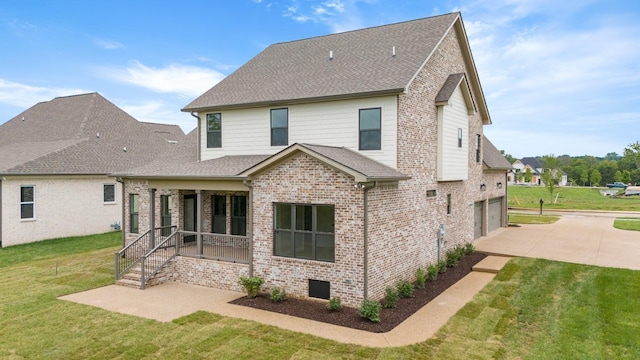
(453, 161)
(64, 206)
(247, 131)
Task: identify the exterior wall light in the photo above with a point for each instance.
(483, 187)
(499, 184)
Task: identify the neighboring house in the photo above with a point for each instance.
(330, 166)
(55, 158)
(521, 166)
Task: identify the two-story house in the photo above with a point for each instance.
(55, 161)
(331, 166)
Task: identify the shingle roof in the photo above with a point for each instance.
(492, 158)
(449, 87)
(81, 134)
(362, 63)
(532, 162)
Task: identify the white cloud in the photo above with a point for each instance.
(339, 15)
(184, 80)
(23, 95)
(160, 111)
(109, 44)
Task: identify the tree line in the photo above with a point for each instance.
(589, 170)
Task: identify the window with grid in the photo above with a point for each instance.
(304, 231)
(27, 202)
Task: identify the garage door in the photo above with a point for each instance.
(477, 222)
(495, 213)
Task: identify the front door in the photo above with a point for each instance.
(190, 218)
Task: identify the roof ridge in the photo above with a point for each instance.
(85, 119)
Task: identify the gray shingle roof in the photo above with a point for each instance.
(532, 162)
(81, 134)
(449, 87)
(492, 158)
(362, 63)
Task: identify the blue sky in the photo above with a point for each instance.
(560, 77)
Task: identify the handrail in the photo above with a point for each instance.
(131, 254)
(160, 258)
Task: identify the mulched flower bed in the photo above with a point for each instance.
(349, 317)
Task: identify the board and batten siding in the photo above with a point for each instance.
(453, 161)
(335, 123)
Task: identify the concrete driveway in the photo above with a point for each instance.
(578, 238)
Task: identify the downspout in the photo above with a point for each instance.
(198, 148)
(366, 189)
(247, 183)
(122, 215)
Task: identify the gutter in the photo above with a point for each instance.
(366, 187)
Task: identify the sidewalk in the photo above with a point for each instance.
(172, 300)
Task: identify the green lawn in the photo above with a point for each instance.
(534, 309)
(627, 224)
(576, 198)
(532, 219)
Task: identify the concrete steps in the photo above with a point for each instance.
(491, 264)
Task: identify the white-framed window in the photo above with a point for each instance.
(279, 127)
(109, 193)
(459, 137)
(478, 145)
(27, 202)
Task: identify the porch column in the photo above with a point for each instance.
(152, 218)
(199, 221)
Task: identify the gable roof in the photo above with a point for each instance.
(450, 85)
(492, 158)
(362, 168)
(532, 162)
(80, 134)
(373, 61)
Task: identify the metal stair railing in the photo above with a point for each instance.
(153, 261)
(130, 255)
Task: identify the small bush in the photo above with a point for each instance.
(453, 256)
(442, 266)
(432, 272)
(405, 289)
(251, 285)
(421, 278)
(469, 248)
(335, 304)
(370, 310)
(277, 294)
(391, 297)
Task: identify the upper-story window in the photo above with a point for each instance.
(370, 129)
(478, 144)
(459, 137)
(27, 202)
(214, 130)
(279, 127)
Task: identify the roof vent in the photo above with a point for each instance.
(393, 52)
(98, 135)
(330, 54)
(23, 118)
(124, 149)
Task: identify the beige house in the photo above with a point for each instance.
(55, 160)
(331, 166)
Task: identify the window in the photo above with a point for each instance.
(219, 211)
(134, 210)
(478, 139)
(279, 127)
(239, 215)
(459, 137)
(27, 202)
(370, 134)
(165, 214)
(214, 130)
(304, 231)
(109, 193)
(448, 203)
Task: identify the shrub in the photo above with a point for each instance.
(277, 294)
(469, 248)
(391, 297)
(442, 266)
(432, 272)
(370, 309)
(421, 278)
(334, 304)
(453, 256)
(405, 289)
(251, 285)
